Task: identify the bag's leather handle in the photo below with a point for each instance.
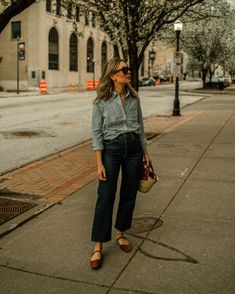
(147, 170)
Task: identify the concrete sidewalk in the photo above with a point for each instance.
(183, 230)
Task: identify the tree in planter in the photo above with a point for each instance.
(133, 24)
(208, 42)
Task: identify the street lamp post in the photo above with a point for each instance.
(20, 55)
(177, 28)
(93, 65)
(17, 67)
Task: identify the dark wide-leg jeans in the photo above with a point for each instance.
(123, 152)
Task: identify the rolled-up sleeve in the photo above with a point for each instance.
(140, 119)
(97, 123)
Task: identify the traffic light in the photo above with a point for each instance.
(21, 51)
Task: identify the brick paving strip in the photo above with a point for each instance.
(57, 176)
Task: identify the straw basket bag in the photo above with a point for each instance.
(148, 178)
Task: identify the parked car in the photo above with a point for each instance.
(150, 81)
(229, 78)
(218, 82)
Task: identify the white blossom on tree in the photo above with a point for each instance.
(133, 24)
(210, 42)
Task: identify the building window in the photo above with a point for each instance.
(48, 5)
(69, 10)
(90, 55)
(77, 13)
(58, 7)
(73, 48)
(103, 55)
(115, 51)
(86, 20)
(53, 49)
(15, 29)
(92, 19)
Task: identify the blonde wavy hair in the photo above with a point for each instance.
(106, 85)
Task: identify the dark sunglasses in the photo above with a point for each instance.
(124, 70)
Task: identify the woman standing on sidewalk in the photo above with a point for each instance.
(119, 142)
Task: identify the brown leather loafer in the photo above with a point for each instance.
(124, 247)
(96, 263)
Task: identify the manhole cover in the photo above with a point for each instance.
(25, 133)
(151, 135)
(11, 208)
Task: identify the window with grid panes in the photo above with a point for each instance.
(90, 55)
(73, 48)
(15, 29)
(53, 49)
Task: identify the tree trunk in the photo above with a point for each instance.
(210, 75)
(13, 10)
(204, 74)
(133, 58)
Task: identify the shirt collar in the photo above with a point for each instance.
(128, 93)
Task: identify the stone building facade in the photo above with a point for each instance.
(53, 52)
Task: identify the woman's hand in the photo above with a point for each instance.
(100, 167)
(146, 157)
(101, 172)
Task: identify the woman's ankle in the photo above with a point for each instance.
(98, 246)
(119, 234)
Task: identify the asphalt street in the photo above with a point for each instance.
(35, 126)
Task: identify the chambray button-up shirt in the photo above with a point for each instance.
(110, 118)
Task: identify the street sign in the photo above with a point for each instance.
(177, 70)
(177, 57)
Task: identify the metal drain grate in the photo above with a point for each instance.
(11, 208)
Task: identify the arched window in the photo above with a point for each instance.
(90, 55)
(73, 49)
(53, 49)
(103, 55)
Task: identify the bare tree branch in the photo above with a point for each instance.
(14, 7)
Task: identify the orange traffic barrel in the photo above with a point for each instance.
(43, 87)
(97, 83)
(91, 84)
